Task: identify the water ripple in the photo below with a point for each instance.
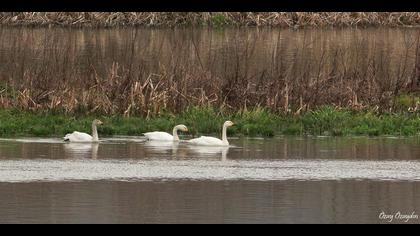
(133, 170)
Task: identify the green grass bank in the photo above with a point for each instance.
(257, 122)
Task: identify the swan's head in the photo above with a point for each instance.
(97, 122)
(228, 123)
(182, 128)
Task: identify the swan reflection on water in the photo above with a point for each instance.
(160, 147)
(82, 150)
(185, 150)
(210, 151)
(172, 149)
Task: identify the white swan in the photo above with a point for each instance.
(84, 137)
(163, 136)
(211, 141)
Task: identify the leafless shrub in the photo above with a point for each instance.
(147, 72)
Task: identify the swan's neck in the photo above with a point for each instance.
(224, 136)
(95, 133)
(175, 133)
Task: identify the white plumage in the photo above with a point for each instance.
(163, 136)
(211, 141)
(207, 141)
(157, 135)
(80, 137)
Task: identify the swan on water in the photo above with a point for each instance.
(84, 137)
(211, 141)
(163, 136)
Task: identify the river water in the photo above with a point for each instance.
(255, 180)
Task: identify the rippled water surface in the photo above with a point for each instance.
(277, 180)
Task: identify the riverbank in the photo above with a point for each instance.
(212, 19)
(257, 122)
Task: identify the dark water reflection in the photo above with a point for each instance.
(210, 201)
(207, 202)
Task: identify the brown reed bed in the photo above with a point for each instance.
(217, 19)
(147, 72)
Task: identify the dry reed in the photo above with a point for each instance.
(148, 73)
(171, 19)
